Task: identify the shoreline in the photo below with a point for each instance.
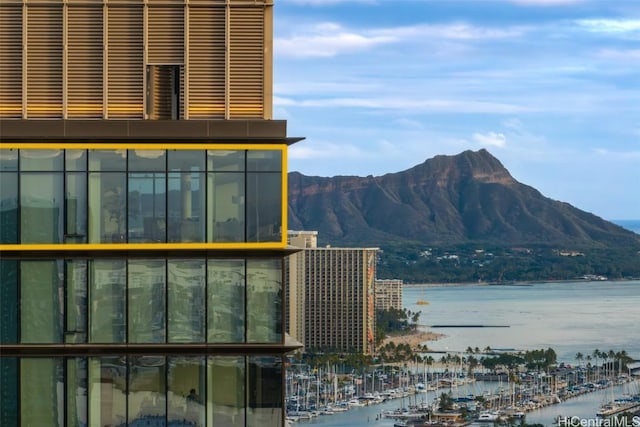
(510, 283)
(417, 338)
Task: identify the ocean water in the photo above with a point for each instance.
(569, 317)
(629, 224)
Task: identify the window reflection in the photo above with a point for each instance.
(41, 398)
(107, 207)
(146, 196)
(107, 391)
(264, 200)
(107, 293)
(186, 284)
(226, 289)
(146, 296)
(147, 220)
(186, 391)
(264, 300)
(265, 391)
(76, 305)
(41, 213)
(9, 207)
(41, 303)
(147, 391)
(226, 390)
(186, 207)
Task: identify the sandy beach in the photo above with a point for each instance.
(415, 339)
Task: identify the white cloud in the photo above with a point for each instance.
(328, 39)
(414, 105)
(325, 40)
(492, 139)
(620, 54)
(610, 25)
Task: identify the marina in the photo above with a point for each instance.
(487, 396)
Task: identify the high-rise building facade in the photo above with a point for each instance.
(295, 277)
(388, 294)
(142, 214)
(331, 296)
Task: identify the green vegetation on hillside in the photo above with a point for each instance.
(418, 263)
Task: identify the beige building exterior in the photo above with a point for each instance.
(388, 294)
(143, 210)
(331, 296)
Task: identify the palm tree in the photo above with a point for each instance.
(579, 357)
(596, 354)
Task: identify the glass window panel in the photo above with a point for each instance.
(107, 386)
(226, 392)
(147, 160)
(265, 391)
(41, 160)
(226, 205)
(76, 327)
(75, 160)
(9, 394)
(107, 160)
(41, 305)
(9, 207)
(76, 208)
(186, 284)
(147, 201)
(264, 300)
(186, 391)
(107, 301)
(147, 397)
(225, 300)
(146, 296)
(107, 207)
(8, 302)
(186, 160)
(8, 159)
(186, 207)
(41, 397)
(77, 392)
(222, 160)
(41, 214)
(264, 207)
(264, 160)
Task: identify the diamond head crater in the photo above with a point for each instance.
(462, 219)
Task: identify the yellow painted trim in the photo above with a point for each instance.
(134, 146)
(285, 196)
(139, 246)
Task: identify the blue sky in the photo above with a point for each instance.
(549, 87)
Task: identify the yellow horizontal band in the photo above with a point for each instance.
(140, 246)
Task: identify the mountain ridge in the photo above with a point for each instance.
(445, 200)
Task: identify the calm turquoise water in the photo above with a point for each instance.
(568, 317)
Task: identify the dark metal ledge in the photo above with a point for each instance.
(94, 350)
(147, 131)
(156, 253)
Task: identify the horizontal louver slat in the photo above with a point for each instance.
(44, 61)
(246, 62)
(125, 63)
(166, 35)
(206, 63)
(10, 61)
(84, 62)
